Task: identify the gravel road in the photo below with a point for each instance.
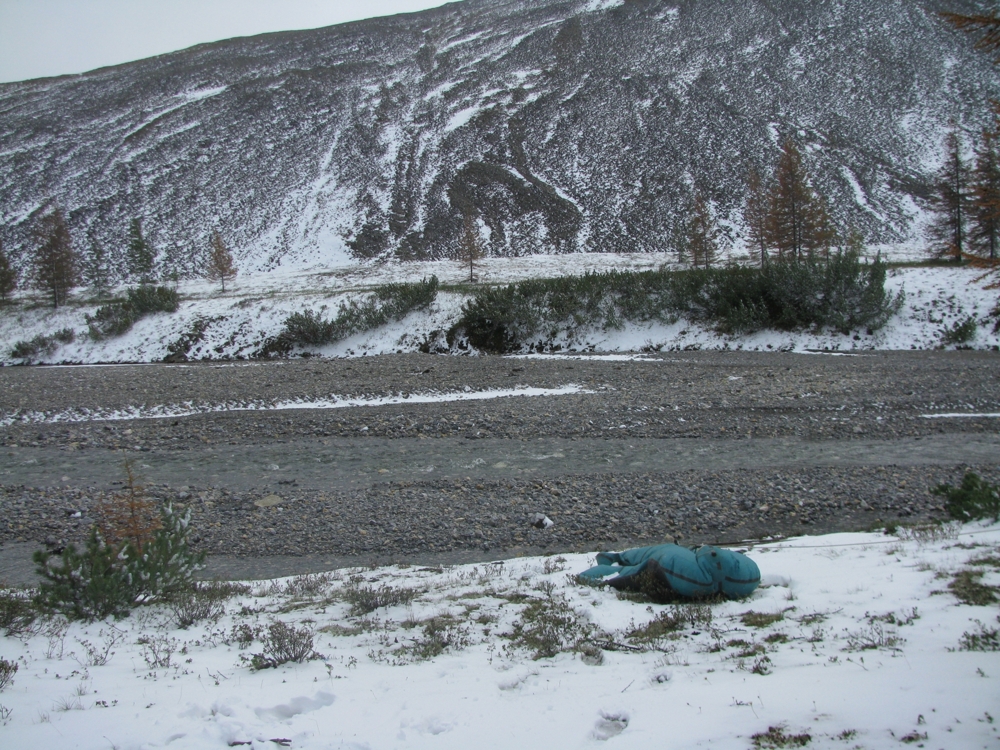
(698, 446)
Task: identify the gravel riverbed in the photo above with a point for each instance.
(696, 396)
(703, 394)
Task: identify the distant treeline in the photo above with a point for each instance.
(57, 266)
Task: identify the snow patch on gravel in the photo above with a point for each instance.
(960, 416)
(188, 408)
(598, 357)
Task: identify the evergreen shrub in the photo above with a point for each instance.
(108, 580)
(839, 293)
(42, 344)
(386, 303)
(118, 318)
(971, 500)
(962, 332)
(17, 612)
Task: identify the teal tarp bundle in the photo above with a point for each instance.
(692, 573)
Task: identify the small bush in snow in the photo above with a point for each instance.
(873, 636)
(670, 622)
(284, 643)
(437, 635)
(385, 304)
(961, 333)
(195, 605)
(98, 654)
(775, 737)
(42, 344)
(244, 635)
(440, 634)
(108, 580)
(118, 318)
(987, 639)
(969, 589)
(547, 627)
(308, 585)
(157, 650)
(17, 613)
(761, 619)
(971, 500)
(366, 599)
(7, 671)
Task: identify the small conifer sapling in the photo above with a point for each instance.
(220, 261)
(469, 250)
(141, 256)
(8, 276)
(55, 262)
(130, 517)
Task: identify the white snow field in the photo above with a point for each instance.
(854, 640)
(255, 307)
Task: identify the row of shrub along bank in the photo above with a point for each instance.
(386, 303)
(110, 320)
(840, 293)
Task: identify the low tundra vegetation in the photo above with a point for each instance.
(778, 737)
(517, 617)
(534, 616)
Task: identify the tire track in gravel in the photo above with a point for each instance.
(345, 463)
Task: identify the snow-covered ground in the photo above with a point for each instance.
(255, 308)
(854, 640)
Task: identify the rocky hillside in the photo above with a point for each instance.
(566, 125)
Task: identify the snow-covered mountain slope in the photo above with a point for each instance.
(568, 125)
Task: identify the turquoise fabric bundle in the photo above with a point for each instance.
(691, 573)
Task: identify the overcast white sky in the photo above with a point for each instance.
(53, 37)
